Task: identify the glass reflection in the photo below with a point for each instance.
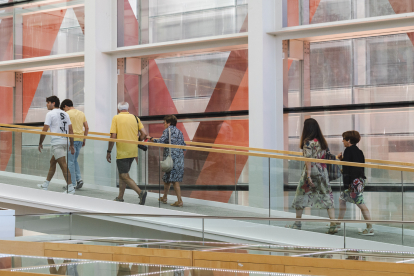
(47, 29)
(306, 12)
(160, 21)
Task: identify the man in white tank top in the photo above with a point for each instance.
(59, 122)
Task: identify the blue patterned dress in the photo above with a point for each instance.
(177, 155)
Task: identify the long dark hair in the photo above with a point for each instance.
(311, 130)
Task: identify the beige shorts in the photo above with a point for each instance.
(59, 151)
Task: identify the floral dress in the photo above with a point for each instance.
(177, 155)
(321, 196)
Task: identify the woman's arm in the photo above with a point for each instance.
(164, 138)
(308, 152)
(308, 173)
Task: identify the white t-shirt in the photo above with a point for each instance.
(59, 122)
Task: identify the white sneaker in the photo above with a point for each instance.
(42, 187)
(70, 192)
(66, 187)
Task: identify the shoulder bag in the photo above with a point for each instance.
(167, 164)
(334, 171)
(141, 147)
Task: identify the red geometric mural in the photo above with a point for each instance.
(130, 26)
(313, 6)
(6, 93)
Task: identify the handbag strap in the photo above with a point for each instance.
(169, 139)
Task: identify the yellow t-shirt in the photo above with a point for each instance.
(126, 128)
(77, 118)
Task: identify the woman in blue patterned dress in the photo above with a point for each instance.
(175, 176)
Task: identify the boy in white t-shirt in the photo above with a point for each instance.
(59, 122)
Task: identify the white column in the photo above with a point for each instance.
(265, 101)
(100, 86)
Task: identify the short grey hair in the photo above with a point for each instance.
(123, 106)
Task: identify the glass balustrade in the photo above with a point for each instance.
(219, 182)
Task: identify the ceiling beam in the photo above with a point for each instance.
(347, 29)
(184, 47)
(53, 62)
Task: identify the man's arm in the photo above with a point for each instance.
(42, 137)
(110, 147)
(86, 132)
(71, 139)
(143, 134)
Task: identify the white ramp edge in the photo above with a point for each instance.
(218, 229)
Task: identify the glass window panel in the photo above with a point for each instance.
(382, 138)
(42, 31)
(332, 10)
(6, 34)
(173, 20)
(65, 83)
(163, 7)
(294, 84)
(196, 84)
(339, 10)
(358, 71)
(331, 64)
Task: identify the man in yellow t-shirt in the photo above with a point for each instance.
(79, 123)
(126, 126)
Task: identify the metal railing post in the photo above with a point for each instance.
(344, 235)
(203, 229)
(70, 226)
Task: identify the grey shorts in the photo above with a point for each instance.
(124, 165)
(59, 151)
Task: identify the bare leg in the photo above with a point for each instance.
(177, 190)
(166, 190)
(126, 179)
(342, 210)
(122, 187)
(299, 213)
(62, 164)
(52, 169)
(331, 214)
(365, 213)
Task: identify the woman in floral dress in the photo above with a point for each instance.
(314, 189)
(175, 176)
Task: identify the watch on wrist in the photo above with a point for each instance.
(108, 151)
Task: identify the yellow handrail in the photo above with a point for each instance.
(295, 153)
(213, 150)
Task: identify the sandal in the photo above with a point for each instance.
(177, 204)
(117, 199)
(296, 225)
(367, 232)
(162, 200)
(338, 226)
(332, 230)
